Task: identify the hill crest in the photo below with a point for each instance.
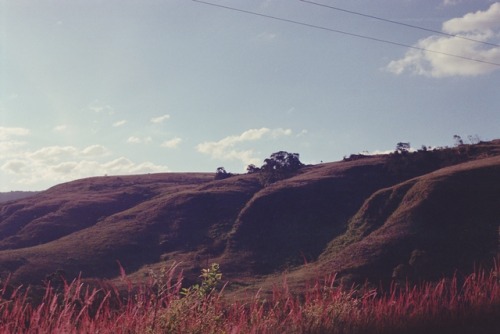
(376, 217)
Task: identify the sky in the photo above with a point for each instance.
(94, 88)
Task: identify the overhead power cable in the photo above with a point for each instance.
(399, 23)
(344, 32)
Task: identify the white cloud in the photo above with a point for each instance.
(39, 168)
(10, 147)
(481, 25)
(55, 164)
(53, 153)
(64, 168)
(377, 152)
(94, 150)
(118, 164)
(280, 132)
(160, 119)
(99, 108)
(302, 133)
(480, 21)
(139, 140)
(227, 149)
(245, 156)
(172, 143)
(14, 166)
(119, 123)
(146, 167)
(9, 144)
(133, 140)
(61, 128)
(7, 133)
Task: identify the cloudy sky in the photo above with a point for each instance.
(112, 87)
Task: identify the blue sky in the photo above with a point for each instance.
(128, 87)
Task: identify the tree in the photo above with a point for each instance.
(474, 139)
(458, 140)
(283, 161)
(252, 169)
(278, 166)
(402, 148)
(221, 173)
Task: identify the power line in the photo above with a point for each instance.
(344, 32)
(399, 23)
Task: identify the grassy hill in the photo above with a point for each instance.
(424, 228)
(13, 195)
(417, 215)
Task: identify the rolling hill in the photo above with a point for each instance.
(13, 195)
(419, 215)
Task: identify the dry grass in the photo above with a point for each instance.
(472, 306)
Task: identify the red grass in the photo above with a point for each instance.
(159, 307)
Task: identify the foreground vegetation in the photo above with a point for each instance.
(163, 306)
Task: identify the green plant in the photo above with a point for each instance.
(197, 302)
(210, 278)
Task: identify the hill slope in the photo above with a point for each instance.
(14, 195)
(417, 215)
(425, 227)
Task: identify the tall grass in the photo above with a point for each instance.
(162, 306)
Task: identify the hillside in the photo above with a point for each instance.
(424, 228)
(13, 195)
(417, 215)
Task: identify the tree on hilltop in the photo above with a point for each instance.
(280, 165)
(282, 161)
(403, 148)
(251, 169)
(221, 174)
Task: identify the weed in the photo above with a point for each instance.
(161, 305)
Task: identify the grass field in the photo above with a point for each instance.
(469, 304)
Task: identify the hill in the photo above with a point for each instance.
(424, 228)
(418, 215)
(13, 195)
